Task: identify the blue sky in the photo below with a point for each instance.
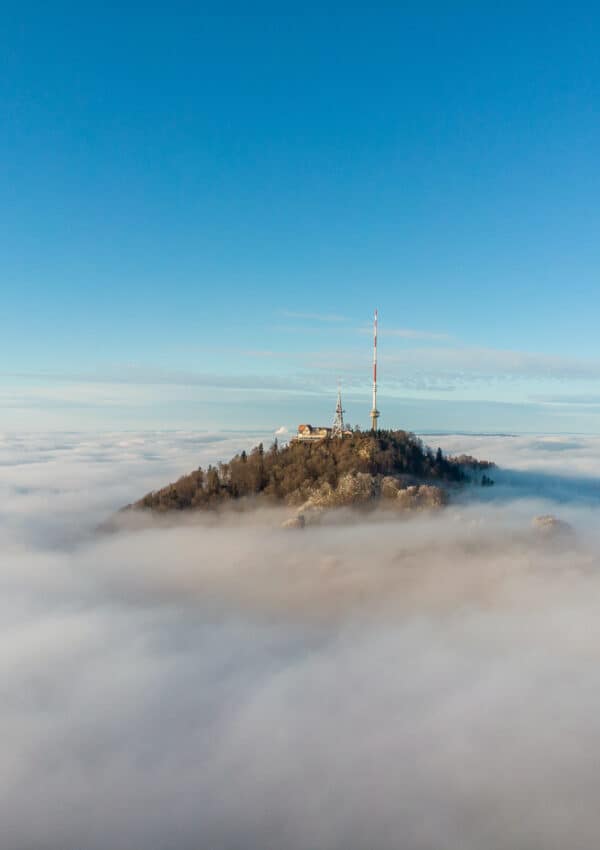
(200, 211)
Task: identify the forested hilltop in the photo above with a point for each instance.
(359, 467)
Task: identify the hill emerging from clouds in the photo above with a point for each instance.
(362, 468)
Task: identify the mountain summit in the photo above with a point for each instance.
(360, 468)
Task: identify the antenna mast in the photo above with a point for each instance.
(338, 422)
(374, 412)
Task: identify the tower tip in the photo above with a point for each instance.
(374, 412)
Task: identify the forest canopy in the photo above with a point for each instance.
(292, 473)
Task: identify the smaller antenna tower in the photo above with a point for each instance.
(338, 422)
(374, 412)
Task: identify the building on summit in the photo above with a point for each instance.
(312, 434)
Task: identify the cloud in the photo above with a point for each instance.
(143, 395)
(430, 683)
(155, 376)
(583, 399)
(408, 333)
(314, 317)
(282, 431)
(469, 363)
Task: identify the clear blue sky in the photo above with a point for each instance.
(200, 211)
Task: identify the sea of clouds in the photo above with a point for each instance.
(422, 683)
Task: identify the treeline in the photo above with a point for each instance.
(291, 473)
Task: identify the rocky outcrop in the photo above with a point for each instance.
(298, 521)
(421, 496)
(363, 490)
(549, 525)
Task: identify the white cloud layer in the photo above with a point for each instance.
(256, 385)
(425, 684)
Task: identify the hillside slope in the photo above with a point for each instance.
(358, 468)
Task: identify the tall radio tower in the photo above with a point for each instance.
(374, 412)
(338, 422)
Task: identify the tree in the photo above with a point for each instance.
(212, 481)
(292, 472)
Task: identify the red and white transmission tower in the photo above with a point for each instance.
(374, 412)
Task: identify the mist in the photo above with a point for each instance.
(427, 682)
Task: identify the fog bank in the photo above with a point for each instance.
(426, 683)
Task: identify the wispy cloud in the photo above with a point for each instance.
(313, 317)
(155, 376)
(414, 333)
(408, 333)
(478, 362)
(591, 399)
(457, 361)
